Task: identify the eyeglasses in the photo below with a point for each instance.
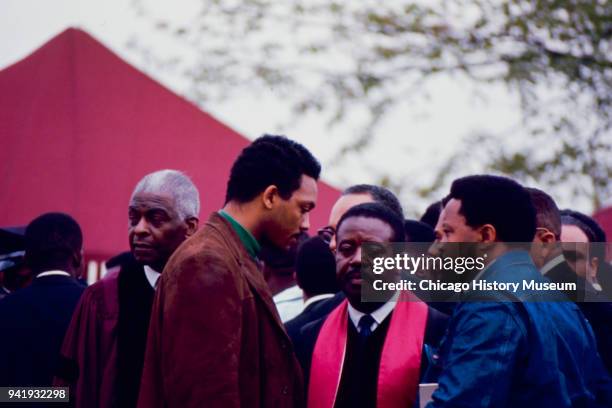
(326, 233)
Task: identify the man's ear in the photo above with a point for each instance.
(77, 261)
(487, 233)
(192, 226)
(270, 197)
(546, 237)
(594, 264)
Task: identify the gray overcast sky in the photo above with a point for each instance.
(406, 142)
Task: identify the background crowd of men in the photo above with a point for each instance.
(245, 309)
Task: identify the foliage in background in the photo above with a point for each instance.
(361, 59)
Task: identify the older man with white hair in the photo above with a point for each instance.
(103, 352)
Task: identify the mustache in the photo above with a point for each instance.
(353, 272)
(142, 244)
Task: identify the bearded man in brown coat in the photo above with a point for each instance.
(215, 337)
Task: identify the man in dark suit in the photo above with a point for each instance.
(367, 354)
(548, 256)
(546, 251)
(216, 339)
(34, 319)
(584, 251)
(352, 196)
(315, 271)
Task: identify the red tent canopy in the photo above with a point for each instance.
(79, 128)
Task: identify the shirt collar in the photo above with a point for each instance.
(379, 314)
(247, 239)
(548, 266)
(316, 298)
(290, 294)
(152, 275)
(56, 272)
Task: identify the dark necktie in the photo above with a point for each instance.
(365, 326)
(357, 393)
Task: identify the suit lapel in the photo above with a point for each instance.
(261, 290)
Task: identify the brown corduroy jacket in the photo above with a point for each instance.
(215, 337)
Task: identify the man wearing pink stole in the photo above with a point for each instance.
(367, 354)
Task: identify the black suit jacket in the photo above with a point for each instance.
(34, 321)
(304, 342)
(562, 273)
(597, 312)
(311, 313)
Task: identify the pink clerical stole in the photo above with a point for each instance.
(400, 361)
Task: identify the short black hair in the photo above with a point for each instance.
(270, 160)
(417, 231)
(432, 213)
(547, 212)
(495, 200)
(315, 267)
(51, 241)
(380, 212)
(379, 194)
(588, 225)
(591, 229)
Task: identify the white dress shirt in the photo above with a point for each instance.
(551, 264)
(56, 272)
(379, 314)
(152, 275)
(289, 302)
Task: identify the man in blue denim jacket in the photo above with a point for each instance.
(516, 351)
